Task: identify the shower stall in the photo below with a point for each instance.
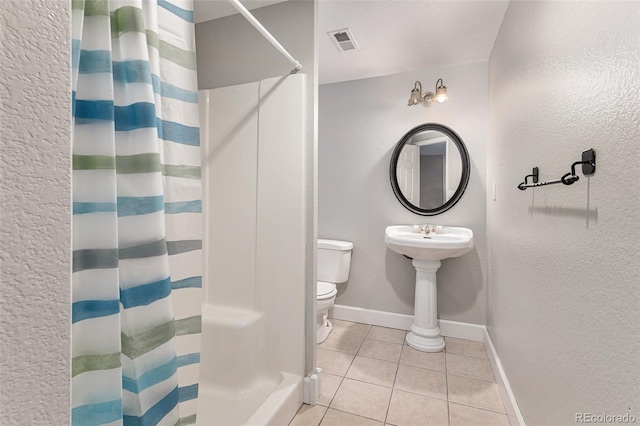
(253, 317)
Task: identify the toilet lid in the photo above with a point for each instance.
(326, 290)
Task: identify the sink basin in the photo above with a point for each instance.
(427, 251)
(447, 242)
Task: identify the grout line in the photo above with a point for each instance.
(398, 364)
(350, 364)
(345, 377)
(425, 368)
(421, 394)
(486, 355)
(478, 408)
(418, 366)
(393, 386)
(393, 389)
(302, 407)
(468, 356)
(473, 378)
(385, 341)
(404, 390)
(359, 346)
(298, 412)
(324, 414)
(446, 385)
(378, 359)
(336, 392)
(473, 406)
(368, 383)
(358, 415)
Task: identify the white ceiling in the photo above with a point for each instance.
(394, 36)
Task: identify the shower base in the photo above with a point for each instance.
(266, 403)
(236, 385)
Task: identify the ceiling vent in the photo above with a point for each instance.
(343, 39)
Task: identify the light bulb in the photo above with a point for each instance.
(441, 94)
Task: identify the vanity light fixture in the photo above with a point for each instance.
(428, 98)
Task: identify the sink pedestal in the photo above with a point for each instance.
(425, 333)
(427, 249)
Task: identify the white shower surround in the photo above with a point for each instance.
(252, 364)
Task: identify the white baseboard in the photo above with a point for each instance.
(513, 411)
(459, 330)
(372, 317)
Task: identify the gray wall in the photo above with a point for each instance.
(35, 177)
(563, 260)
(230, 52)
(431, 181)
(360, 123)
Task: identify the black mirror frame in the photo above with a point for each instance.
(465, 169)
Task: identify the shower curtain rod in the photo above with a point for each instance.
(258, 26)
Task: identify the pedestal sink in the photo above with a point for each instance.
(427, 250)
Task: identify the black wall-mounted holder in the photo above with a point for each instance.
(588, 168)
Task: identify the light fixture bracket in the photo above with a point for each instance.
(429, 98)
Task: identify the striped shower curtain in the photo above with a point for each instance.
(137, 245)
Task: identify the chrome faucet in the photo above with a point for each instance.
(427, 229)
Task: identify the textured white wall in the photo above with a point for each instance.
(35, 176)
(563, 260)
(360, 123)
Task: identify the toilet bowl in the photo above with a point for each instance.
(334, 263)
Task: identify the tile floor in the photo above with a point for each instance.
(371, 377)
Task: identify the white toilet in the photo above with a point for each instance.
(334, 262)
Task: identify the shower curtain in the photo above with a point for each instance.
(137, 244)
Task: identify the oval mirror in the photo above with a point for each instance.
(429, 169)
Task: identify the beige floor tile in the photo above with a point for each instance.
(333, 362)
(461, 415)
(346, 342)
(338, 418)
(353, 328)
(419, 380)
(374, 371)
(474, 392)
(465, 347)
(390, 335)
(409, 409)
(362, 399)
(308, 415)
(416, 358)
(328, 387)
(380, 349)
(477, 368)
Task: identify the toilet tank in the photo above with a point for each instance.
(334, 260)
